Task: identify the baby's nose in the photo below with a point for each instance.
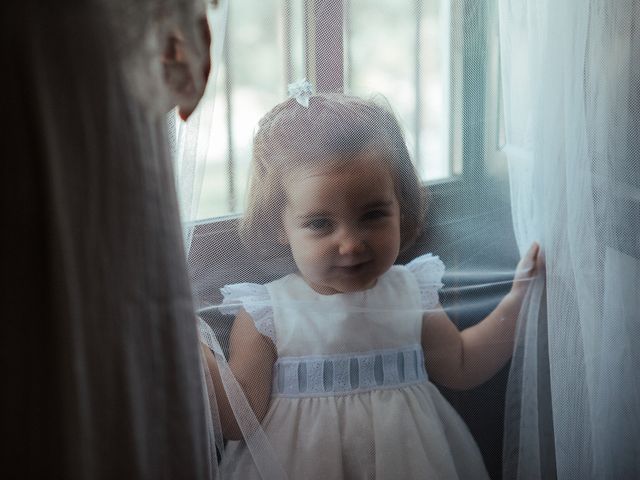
(351, 245)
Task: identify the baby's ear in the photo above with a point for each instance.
(186, 67)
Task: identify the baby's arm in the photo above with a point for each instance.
(251, 359)
(462, 360)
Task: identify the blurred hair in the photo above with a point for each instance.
(334, 128)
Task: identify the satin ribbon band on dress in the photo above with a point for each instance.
(344, 374)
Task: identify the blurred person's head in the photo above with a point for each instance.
(165, 47)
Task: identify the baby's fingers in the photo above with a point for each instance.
(527, 268)
(528, 263)
(533, 251)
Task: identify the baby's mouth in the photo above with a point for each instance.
(353, 268)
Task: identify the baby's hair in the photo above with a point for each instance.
(334, 128)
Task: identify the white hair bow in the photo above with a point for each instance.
(301, 91)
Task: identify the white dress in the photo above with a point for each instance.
(351, 398)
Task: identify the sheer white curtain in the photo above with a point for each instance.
(571, 85)
(193, 141)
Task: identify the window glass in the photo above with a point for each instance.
(263, 50)
(397, 49)
(400, 49)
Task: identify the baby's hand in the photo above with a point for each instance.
(529, 267)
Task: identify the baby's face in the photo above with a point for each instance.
(343, 224)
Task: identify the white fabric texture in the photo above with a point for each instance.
(571, 84)
(258, 445)
(193, 140)
(254, 298)
(382, 432)
(427, 270)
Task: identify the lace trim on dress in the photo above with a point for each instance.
(255, 300)
(428, 270)
(344, 374)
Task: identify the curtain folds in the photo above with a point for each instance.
(571, 86)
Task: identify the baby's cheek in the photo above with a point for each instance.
(390, 248)
(388, 239)
(309, 259)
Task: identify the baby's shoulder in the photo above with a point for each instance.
(254, 299)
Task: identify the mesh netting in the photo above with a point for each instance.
(376, 224)
(362, 308)
(411, 231)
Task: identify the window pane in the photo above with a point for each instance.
(401, 50)
(264, 51)
(253, 77)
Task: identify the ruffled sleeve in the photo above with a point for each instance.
(428, 270)
(255, 300)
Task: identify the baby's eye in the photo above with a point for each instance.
(375, 214)
(318, 224)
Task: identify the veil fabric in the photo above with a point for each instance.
(193, 141)
(475, 283)
(105, 373)
(569, 92)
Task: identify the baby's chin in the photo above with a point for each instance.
(342, 285)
